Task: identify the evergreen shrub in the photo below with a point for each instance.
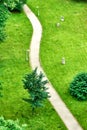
(35, 85)
(78, 87)
(14, 5)
(10, 124)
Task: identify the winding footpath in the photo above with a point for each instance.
(60, 107)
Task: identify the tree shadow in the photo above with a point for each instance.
(82, 1)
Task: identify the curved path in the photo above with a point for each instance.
(55, 99)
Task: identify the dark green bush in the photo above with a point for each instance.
(3, 17)
(78, 87)
(14, 5)
(5, 5)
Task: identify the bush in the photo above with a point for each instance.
(3, 17)
(6, 5)
(14, 5)
(10, 125)
(78, 87)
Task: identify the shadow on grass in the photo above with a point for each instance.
(82, 1)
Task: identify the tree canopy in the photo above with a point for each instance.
(36, 88)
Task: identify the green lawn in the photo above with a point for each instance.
(69, 41)
(13, 66)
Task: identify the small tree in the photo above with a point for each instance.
(78, 87)
(36, 88)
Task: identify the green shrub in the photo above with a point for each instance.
(6, 5)
(78, 87)
(10, 125)
(36, 88)
(14, 5)
(3, 17)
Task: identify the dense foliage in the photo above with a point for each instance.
(78, 87)
(10, 125)
(5, 5)
(14, 4)
(36, 88)
(3, 17)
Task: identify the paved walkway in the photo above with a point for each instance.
(55, 99)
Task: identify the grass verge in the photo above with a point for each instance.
(13, 66)
(69, 40)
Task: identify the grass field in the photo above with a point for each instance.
(13, 67)
(69, 40)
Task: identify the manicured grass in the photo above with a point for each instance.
(69, 41)
(13, 66)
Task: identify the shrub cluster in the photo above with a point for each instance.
(5, 5)
(14, 5)
(3, 17)
(78, 87)
(10, 125)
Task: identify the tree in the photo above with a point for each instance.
(78, 87)
(36, 88)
